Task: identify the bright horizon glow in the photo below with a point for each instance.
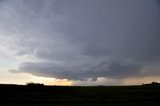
(23, 78)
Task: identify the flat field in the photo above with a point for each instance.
(23, 95)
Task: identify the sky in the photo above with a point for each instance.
(79, 42)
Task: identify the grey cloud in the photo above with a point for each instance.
(77, 38)
(112, 69)
(130, 31)
(14, 71)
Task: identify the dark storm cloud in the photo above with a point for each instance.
(128, 29)
(111, 69)
(81, 39)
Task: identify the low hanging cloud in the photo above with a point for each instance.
(79, 40)
(84, 72)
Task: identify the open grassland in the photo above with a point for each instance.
(79, 96)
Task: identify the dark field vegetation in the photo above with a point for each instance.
(40, 95)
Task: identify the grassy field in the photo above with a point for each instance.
(39, 95)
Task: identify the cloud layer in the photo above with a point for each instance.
(79, 40)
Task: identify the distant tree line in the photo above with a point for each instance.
(152, 83)
(34, 84)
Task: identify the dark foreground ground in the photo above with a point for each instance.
(79, 96)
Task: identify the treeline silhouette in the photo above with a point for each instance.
(154, 83)
(43, 95)
(34, 84)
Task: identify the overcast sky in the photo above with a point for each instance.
(80, 41)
